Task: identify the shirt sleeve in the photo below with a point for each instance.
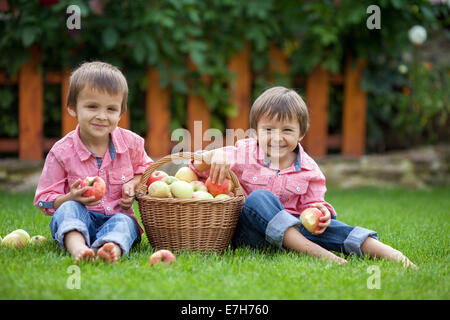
(52, 184)
(141, 161)
(316, 194)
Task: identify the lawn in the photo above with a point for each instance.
(415, 222)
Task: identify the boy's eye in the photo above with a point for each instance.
(91, 106)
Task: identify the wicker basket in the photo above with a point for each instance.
(188, 224)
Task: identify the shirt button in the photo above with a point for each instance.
(101, 170)
(254, 178)
(279, 174)
(123, 177)
(40, 204)
(109, 209)
(298, 188)
(102, 202)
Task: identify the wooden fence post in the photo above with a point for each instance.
(317, 96)
(354, 113)
(241, 91)
(278, 61)
(198, 115)
(69, 123)
(157, 140)
(31, 108)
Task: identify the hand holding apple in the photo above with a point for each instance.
(311, 219)
(164, 257)
(96, 187)
(216, 189)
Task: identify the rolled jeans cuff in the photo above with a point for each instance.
(72, 225)
(355, 239)
(277, 227)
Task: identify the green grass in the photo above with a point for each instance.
(415, 222)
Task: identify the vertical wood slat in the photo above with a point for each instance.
(317, 97)
(355, 108)
(157, 140)
(278, 61)
(241, 90)
(31, 108)
(69, 123)
(198, 115)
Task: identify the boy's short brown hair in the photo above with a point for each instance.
(281, 103)
(100, 76)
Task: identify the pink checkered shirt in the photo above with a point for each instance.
(69, 160)
(297, 187)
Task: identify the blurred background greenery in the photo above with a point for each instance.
(408, 84)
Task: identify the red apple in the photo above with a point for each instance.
(215, 189)
(164, 257)
(310, 219)
(156, 176)
(97, 187)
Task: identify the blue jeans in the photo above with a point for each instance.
(263, 222)
(97, 228)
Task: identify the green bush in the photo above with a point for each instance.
(136, 34)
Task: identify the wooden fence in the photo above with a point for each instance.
(31, 144)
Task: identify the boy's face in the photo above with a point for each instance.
(97, 112)
(278, 138)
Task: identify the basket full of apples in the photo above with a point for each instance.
(183, 213)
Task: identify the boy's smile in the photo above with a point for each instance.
(278, 139)
(98, 114)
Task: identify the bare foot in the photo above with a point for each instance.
(84, 254)
(109, 252)
(400, 257)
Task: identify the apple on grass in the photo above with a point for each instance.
(164, 257)
(181, 189)
(13, 240)
(215, 189)
(202, 195)
(159, 189)
(186, 174)
(156, 176)
(38, 239)
(97, 187)
(310, 219)
(23, 235)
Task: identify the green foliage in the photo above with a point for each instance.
(134, 35)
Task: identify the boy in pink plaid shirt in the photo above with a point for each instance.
(280, 181)
(97, 147)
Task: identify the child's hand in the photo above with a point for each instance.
(324, 221)
(76, 194)
(220, 167)
(128, 191)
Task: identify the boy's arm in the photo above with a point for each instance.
(52, 184)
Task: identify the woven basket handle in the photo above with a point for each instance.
(142, 186)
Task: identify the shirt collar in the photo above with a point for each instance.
(116, 145)
(298, 164)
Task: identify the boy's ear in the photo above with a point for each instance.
(72, 111)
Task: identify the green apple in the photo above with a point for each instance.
(202, 195)
(198, 186)
(222, 196)
(159, 189)
(38, 239)
(181, 189)
(13, 240)
(169, 180)
(186, 174)
(24, 235)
